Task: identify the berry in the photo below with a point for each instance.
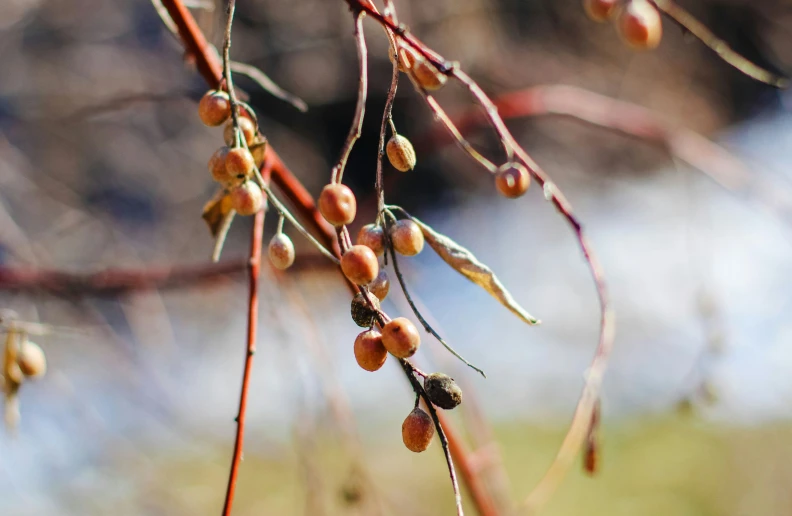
(217, 166)
(601, 10)
(369, 351)
(214, 108)
(247, 198)
(380, 286)
(362, 313)
(31, 360)
(246, 125)
(401, 338)
(360, 265)
(442, 391)
(417, 431)
(401, 153)
(424, 72)
(239, 162)
(639, 25)
(337, 204)
(512, 180)
(281, 251)
(406, 237)
(373, 237)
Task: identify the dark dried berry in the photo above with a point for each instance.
(362, 313)
(443, 391)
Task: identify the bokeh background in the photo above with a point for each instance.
(103, 163)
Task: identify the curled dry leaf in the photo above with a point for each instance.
(216, 210)
(465, 263)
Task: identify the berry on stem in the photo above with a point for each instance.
(401, 338)
(246, 125)
(407, 237)
(362, 313)
(442, 391)
(281, 251)
(424, 72)
(247, 198)
(360, 265)
(373, 237)
(31, 360)
(214, 108)
(380, 286)
(217, 166)
(401, 153)
(512, 180)
(337, 204)
(639, 25)
(239, 162)
(417, 430)
(369, 351)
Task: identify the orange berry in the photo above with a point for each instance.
(247, 198)
(337, 204)
(281, 251)
(214, 108)
(369, 351)
(239, 162)
(401, 338)
(31, 360)
(512, 180)
(360, 265)
(424, 72)
(217, 166)
(601, 10)
(380, 286)
(406, 237)
(639, 25)
(417, 431)
(373, 237)
(246, 125)
(401, 153)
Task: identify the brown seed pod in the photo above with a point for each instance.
(601, 10)
(369, 351)
(239, 163)
(373, 237)
(31, 360)
(401, 153)
(360, 265)
(246, 125)
(247, 198)
(337, 204)
(214, 108)
(442, 391)
(406, 237)
(362, 313)
(401, 338)
(217, 166)
(417, 431)
(424, 72)
(639, 25)
(281, 251)
(512, 180)
(380, 286)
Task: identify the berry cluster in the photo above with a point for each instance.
(637, 21)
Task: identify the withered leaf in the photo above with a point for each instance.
(216, 210)
(464, 262)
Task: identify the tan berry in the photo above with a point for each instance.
(360, 265)
(31, 360)
(601, 10)
(417, 431)
(239, 162)
(217, 166)
(281, 251)
(401, 153)
(406, 237)
(639, 25)
(380, 286)
(247, 198)
(373, 237)
(401, 338)
(337, 204)
(512, 180)
(246, 125)
(442, 391)
(214, 108)
(424, 72)
(362, 313)
(369, 351)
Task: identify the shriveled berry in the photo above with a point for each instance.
(407, 237)
(373, 237)
(442, 391)
(362, 313)
(214, 108)
(369, 351)
(401, 153)
(31, 360)
(424, 72)
(360, 265)
(380, 286)
(601, 10)
(247, 198)
(401, 338)
(337, 204)
(281, 251)
(417, 430)
(246, 125)
(512, 180)
(639, 25)
(217, 166)
(239, 162)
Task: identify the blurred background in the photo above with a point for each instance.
(103, 163)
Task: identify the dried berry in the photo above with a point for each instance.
(401, 338)
(337, 204)
(407, 237)
(369, 351)
(639, 25)
(362, 313)
(401, 153)
(246, 125)
(281, 251)
(417, 431)
(217, 166)
(512, 180)
(601, 10)
(214, 108)
(380, 286)
(247, 198)
(424, 72)
(373, 237)
(360, 265)
(239, 162)
(442, 391)
(31, 360)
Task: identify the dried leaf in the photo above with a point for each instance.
(259, 150)
(216, 210)
(465, 263)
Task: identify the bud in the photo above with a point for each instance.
(401, 153)
(442, 391)
(362, 313)
(281, 251)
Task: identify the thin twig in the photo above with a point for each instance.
(229, 82)
(222, 233)
(386, 118)
(269, 85)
